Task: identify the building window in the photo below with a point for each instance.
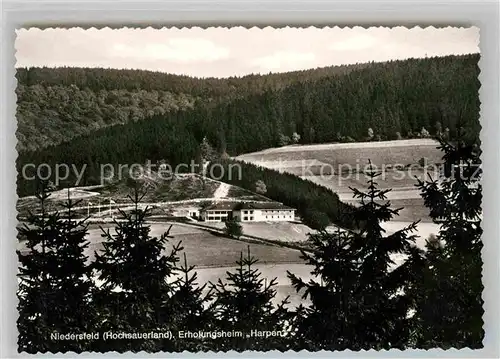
(251, 218)
(245, 218)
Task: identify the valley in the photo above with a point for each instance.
(175, 185)
(214, 254)
(311, 138)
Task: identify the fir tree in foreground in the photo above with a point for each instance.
(55, 281)
(357, 299)
(191, 311)
(244, 303)
(449, 307)
(134, 295)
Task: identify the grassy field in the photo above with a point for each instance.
(213, 256)
(238, 192)
(268, 271)
(402, 152)
(340, 166)
(207, 250)
(276, 231)
(157, 190)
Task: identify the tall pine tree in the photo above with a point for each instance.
(134, 270)
(357, 298)
(449, 308)
(244, 303)
(190, 310)
(55, 280)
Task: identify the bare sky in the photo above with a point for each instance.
(222, 52)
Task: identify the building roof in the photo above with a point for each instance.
(222, 206)
(263, 205)
(229, 206)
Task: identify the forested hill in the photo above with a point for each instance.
(392, 98)
(56, 104)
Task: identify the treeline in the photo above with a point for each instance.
(256, 111)
(96, 79)
(381, 101)
(359, 298)
(57, 104)
(401, 97)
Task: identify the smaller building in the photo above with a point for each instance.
(193, 212)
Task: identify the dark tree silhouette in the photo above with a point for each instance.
(245, 303)
(191, 310)
(357, 299)
(133, 269)
(55, 280)
(448, 297)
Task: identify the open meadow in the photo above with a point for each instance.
(213, 256)
(204, 249)
(289, 232)
(348, 154)
(340, 166)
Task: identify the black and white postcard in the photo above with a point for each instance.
(248, 189)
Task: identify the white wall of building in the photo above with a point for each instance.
(265, 215)
(216, 215)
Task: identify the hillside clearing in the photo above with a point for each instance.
(340, 166)
(347, 155)
(182, 189)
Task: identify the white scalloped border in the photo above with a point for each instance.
(256, 28)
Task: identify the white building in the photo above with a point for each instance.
(249, 212)
(264, 212)
(218, 212)
(193, 212)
